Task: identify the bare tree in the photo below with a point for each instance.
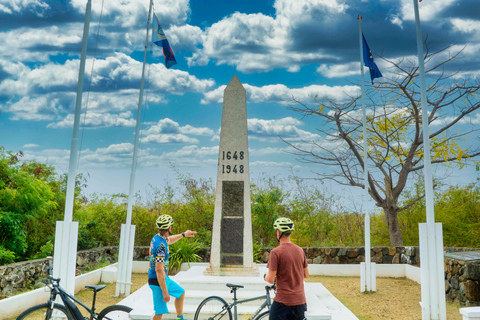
(395, 137)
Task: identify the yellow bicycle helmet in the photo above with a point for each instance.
(283, 225)
(164, 222)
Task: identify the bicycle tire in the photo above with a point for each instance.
(213, 308)
(263, 316)
(115, 312)
(36, 313)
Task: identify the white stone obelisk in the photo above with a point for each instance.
(232, 245)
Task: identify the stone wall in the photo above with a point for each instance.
(27, 275)
(380, 255)
(462, 281)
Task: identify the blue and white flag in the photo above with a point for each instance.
(159, 38)
(369, 62)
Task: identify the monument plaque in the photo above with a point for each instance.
(232, 225)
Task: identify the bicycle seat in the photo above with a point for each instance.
(96, 288)
(234, 286)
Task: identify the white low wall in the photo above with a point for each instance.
(13, 306)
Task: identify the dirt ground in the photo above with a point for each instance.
(395, 298)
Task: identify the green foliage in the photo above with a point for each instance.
(32, 199)
(183, 251)
(457, 208)
(257, 252)
(267, 206)
(45, 251)
(25, 197)
(6, 256)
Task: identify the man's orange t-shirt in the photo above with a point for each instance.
(288, 260)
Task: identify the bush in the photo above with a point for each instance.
(184, 250)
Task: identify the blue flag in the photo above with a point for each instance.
(159, 38)
(369, 62)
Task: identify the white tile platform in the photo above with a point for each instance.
(321, 303)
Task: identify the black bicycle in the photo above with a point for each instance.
(69, 310)
(215, 308)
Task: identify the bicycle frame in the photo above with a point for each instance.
(266, 303)
(67, 300)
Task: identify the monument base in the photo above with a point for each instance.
(232, 271)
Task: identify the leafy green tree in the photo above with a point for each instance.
(266, 205)
(395, 137)
(25, 196)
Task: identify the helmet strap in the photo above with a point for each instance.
(278, 238)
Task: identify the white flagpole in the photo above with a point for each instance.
(366, 280)
(128, 231)
(66, 231)
(432, 270)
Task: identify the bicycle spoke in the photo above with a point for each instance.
(213, 309)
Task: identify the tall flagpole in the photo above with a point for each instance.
(66, 231)
(431, 238)
(367, 282)
(127, 237)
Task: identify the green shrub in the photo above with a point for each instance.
(45, 251)
(184, 250)
(6, 256)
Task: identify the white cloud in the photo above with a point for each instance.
(36, 109)
(428, 9)
(467, 26)
(36, 6)
(339, 70)
(169, 131)
(97, 120)
(31, 145)
(394, 19)
(279, 93)
(273, 130)
(131, 13)
(193, 152)
(184, 37)
(50, 89)
(260, 43)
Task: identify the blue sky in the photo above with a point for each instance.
(277, 48)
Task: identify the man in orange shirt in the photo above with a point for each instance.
(288, 264)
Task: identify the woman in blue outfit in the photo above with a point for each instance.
(162, 286)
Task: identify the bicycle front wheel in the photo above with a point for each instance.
(263, 316)
(43, 312)
(213, 308)
(115, 312)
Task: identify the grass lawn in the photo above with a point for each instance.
(395, 299)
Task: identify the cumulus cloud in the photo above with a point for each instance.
(193, 152)
(273, 130)
(428, 10)
(279, 93)
(50, 90)
(169, 131)
(97, 120)
(339, 70)
(259, 43)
